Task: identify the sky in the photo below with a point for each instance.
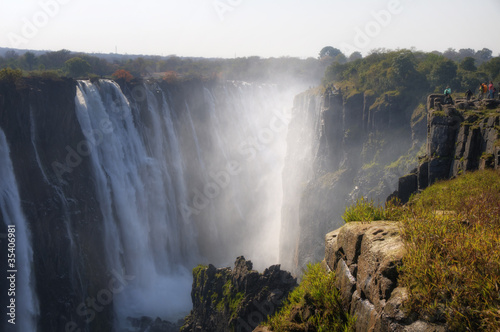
(239, 28)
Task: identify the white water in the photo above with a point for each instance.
(146, 236)
(144, 163)
(10, 206)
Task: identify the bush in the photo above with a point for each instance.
(122, 74)
(10, 75)
(315, 304)
(364, 210)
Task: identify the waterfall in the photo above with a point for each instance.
(145, 234)
(24, 294)
(134, 189)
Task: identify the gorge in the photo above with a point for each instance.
(118, 190)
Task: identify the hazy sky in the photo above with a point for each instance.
(267, 28)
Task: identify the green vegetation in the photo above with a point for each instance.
(230, 299)
(198, 279)
(10, 75)
(171, 68)
(452, 235)
(414, 73)
(367, 210)
(77, 67)
(452, 269)
(315, 304)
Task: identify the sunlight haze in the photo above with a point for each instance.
(229, 28)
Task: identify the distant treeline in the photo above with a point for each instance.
(415, 72)
(77, 65)
(381, 71)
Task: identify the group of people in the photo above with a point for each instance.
(487, 91)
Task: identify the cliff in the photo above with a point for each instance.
(342, 146)
(460, 138)
(39, 120)
(124, 187)
(366, 258)
(236, 299)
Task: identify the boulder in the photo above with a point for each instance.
(366, 257)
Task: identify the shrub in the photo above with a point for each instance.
(10, 75)
(315, 304)
(363, 210)
(122, 74)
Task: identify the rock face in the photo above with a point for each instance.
(238, 299)
(460, 138)
(81, 233)
(39, 120)
(365, 258)
(339, 145)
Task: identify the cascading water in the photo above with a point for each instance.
(144, 184)
(19, 274)
(145, 235)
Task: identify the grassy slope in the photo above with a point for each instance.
(452, 269)
(452, 234)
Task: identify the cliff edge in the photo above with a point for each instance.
(366, 258)
(461, 137)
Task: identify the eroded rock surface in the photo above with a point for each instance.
(366, 258)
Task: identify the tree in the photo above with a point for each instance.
(11, 54)
(465, 52)
(77, 67)
(55, 60)
(484, 55)
(29, 59)
(123, 74)
(468, 64)
(492, 68)
(451, 54)
(443, 73)
(329, 51)
(404, 67)
(355, 56)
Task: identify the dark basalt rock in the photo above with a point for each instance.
(236, 299)
(460, 138)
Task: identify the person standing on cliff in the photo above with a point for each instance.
(468, 95)
(482, 90)
(490, 90)
(447, 96)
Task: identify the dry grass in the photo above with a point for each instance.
(452, 234)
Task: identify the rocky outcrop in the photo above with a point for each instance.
(149, 324)
(237, 299)
(461, 137)
(366, 258)
(339, 148)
